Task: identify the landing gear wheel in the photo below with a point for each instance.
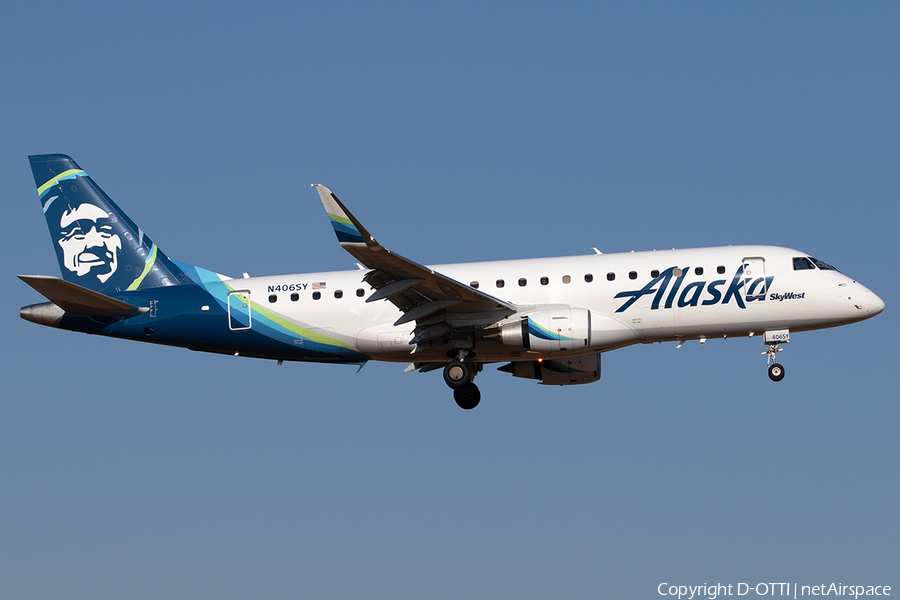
(468, 396)
(457, 375)
(776, 372)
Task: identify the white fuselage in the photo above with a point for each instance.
(632, 297)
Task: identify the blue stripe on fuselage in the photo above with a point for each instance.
(176, 318)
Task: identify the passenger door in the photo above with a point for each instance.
(756, 286)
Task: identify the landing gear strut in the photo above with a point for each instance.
(776, 371)
(459, 375)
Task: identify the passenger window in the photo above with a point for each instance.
(801, 263)
(698, 271)
(338, 294)
(500, 283)
(720, 269)
(295, 296)
(360, 292)
(523, 282)
(610, 276)
(474, 285)
(632, 275)
(654, 273)
(545, 280)
(567, 279)
(273, 298)
(588, 278)
(317, 295)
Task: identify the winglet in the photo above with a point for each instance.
(416, 290)
(348, 229)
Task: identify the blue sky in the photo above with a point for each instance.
(455, 133)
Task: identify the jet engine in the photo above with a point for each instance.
(558, 329)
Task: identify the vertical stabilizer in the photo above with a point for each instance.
(97, 245)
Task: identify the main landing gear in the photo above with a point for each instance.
(776, 371)
(459, 375)
(468, 396)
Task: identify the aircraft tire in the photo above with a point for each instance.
(468, 396)
(776, 372)
(457, 375)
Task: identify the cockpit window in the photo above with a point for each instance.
(822, 265)
(801, 263)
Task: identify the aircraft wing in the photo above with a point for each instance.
(436, 302)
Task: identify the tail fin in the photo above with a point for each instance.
(97, 245)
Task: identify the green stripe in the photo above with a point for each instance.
(293, 327)
(70, 174)
(343, 220)
(147, 266)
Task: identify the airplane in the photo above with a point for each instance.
(548, 319)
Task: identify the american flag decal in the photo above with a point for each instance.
(318, 285)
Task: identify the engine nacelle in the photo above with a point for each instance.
(558, 329)
(566, 371)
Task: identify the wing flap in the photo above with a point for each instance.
(425, 309)
(392, 289)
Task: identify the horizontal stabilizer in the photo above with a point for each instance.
(73, 298)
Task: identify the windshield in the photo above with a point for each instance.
(822, 265)
(801, 263)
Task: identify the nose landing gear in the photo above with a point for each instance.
(772, 339)
(776, 371)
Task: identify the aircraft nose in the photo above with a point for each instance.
(874, 303)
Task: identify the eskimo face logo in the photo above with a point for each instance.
(89, 242)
